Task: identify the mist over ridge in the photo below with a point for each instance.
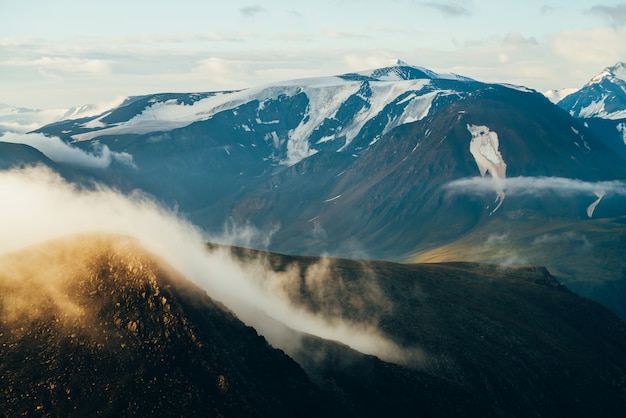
(46, 207)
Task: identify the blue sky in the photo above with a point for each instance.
(64, 53)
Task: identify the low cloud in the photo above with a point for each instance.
(23, 120)
(38, 206)
(569, 237)
(615, 15)
(535, 186)
(495, 238)
(63, 153)
(246, 235)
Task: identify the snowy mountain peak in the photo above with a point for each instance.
(401, 70)
(619, 71)
(401, 63)
(613, 74)
(345, 113)
(556, 96)
(604, 96)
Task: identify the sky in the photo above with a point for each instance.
(64, 53)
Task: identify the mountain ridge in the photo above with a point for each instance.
(604, 96)
(118, 333)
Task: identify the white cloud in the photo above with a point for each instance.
(370, 59)
(226, 73)
(22, 120)
(564, 237)
(535, 186)
(61, 152)
(561, 59)
(510, 39)
(246, 235)
(74, 65)
(599, 47)
(64, 64)
(33, 74)
(39, 206)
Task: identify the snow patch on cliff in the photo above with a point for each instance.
(484, 147)
(599, 194)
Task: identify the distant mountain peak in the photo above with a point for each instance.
(557, 95)
(620, 65)
(613, 74)
(401, 70)
(604, 96)
(401, 63)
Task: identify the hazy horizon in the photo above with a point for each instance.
(68, 53)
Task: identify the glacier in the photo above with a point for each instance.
(412, 90)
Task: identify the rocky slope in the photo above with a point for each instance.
(94, 325)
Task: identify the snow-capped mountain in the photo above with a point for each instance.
(556, 96)
(604, 96)
(364, 145)
(21, 119)
(601, 103)
(296, 118)
(392, 163)
(377, 164)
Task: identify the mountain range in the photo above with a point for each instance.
(398, 164)
(21, 119)
(113, 331)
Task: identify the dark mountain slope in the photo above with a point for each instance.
(393, 198)
(363, 166)
(604, 96)
(18, 155)
(585, 255)
(96, 327)
(512, 338)
(601, 105)
(611, 131)
(352, 165)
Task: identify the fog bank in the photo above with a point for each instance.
(38, 205)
